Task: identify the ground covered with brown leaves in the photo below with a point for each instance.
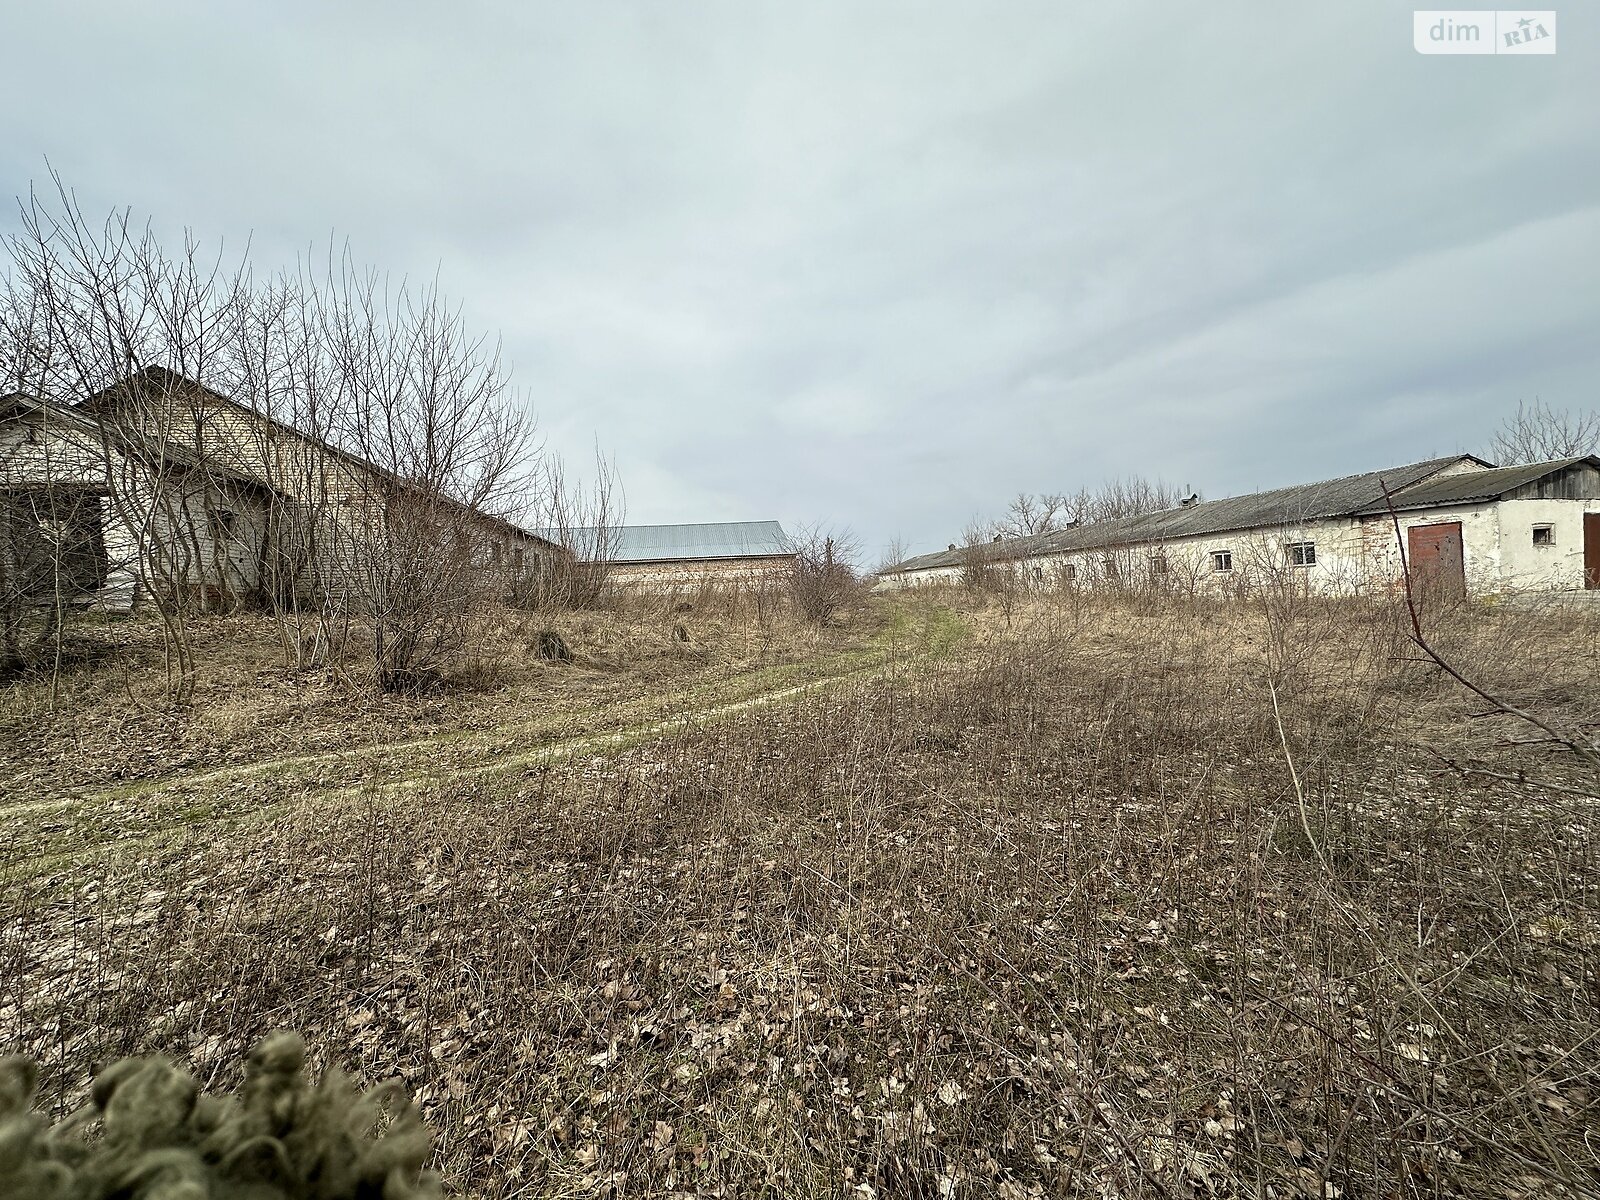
(1189, 901)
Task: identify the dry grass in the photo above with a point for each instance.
(103, 721)
(1048, 917)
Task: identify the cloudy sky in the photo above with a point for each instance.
(886, 264)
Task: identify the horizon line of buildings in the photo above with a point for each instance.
(1459, 524)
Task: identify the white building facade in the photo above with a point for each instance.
(1464, 528)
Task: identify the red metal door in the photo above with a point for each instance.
(1437, 560)
(1591, 550)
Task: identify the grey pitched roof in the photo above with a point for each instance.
(161, 379)
(1476, 486)
(76, 419)
(19, 402)
(1344, 496)
(668, 543)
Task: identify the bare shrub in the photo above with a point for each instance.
(84, 307)
(822, 572)
(334, 445)
(985, 561)
(584, 519)
(282, 1138)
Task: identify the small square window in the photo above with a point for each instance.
(1158, 564)
(222, 524)
(1222, 560)
(1544, 535)
(1302, 554)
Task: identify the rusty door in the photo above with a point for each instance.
(1591, 550)
(1438, 561)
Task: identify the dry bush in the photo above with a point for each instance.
(822, 576)
(282, 1137)
(985, 568)
(1056, 916)
(584, 519)
(362, 494)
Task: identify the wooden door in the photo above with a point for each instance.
(1437, 560)
(1591, 550)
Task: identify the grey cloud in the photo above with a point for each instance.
(887, 263)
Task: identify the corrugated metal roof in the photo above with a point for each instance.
(667, 543)
(1344, 496)
(1475, 486)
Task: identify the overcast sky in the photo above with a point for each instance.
(887, 264)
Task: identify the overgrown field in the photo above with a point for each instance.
(102, 720)
(1115, 899)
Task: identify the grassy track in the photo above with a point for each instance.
(48, 835)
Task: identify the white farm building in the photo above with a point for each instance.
(161, 487)
(1468, 528)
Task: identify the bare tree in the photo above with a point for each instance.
(87, 307)
(1129, 496)
(1029, 514)
(437, 444)
(894, 553)
(337, 446)
(822, 574)
(585, 520)
(1538, 433)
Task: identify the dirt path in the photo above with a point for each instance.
(48, 835)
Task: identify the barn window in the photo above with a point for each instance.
(1038, 574)
(1302, 554)
(1158, 564)
(1222, 560)
(1110, 566)
(222, 523)
(1544, 535)
(1070, 572)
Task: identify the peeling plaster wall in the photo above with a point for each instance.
(1354, 555)
(1526, 567)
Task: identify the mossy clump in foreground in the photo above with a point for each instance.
(280, 1138)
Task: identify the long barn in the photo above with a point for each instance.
(160, 485)
(670, 555)
(1465, 527)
